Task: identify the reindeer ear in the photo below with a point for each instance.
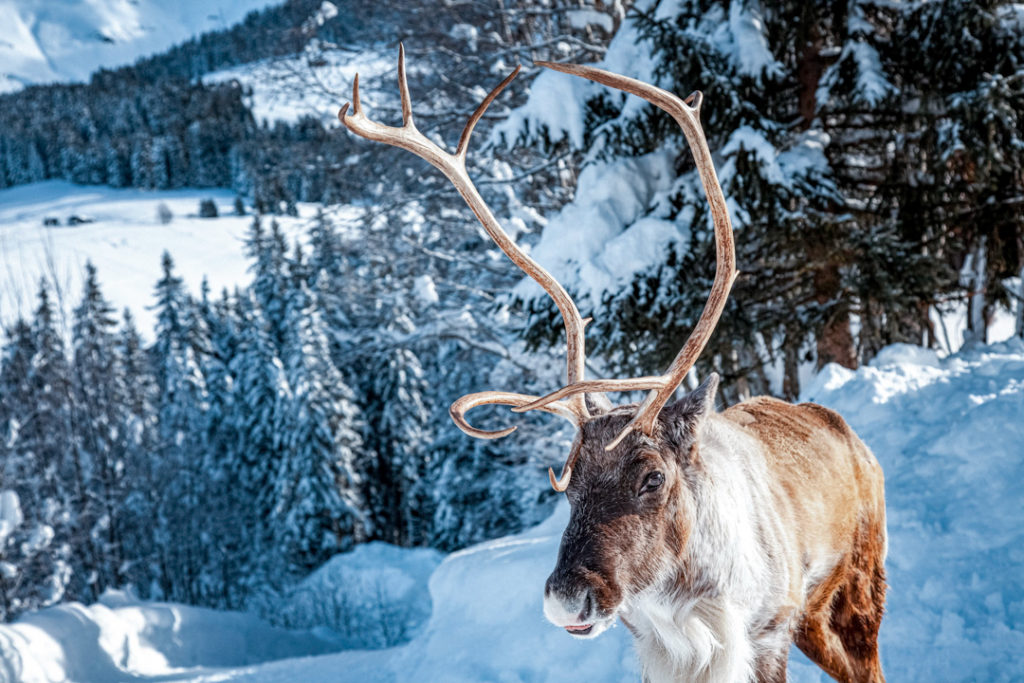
(682, 419)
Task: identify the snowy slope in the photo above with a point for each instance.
(125, 243)
(43, 41)
(948, 433)
(288, 88)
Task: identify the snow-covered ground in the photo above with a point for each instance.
(314, 83)
(125, 243)
(948, 432)
(45, 41)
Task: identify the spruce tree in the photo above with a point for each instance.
(181, 404)
(226, 508)
(39, 464)
(852, 163)
(398, 437)
(99, 422)
(318, 507)
(268, 252)
(138, 442)
(259, 417)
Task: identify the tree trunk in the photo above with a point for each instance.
(791, 365)
(1019, 329)
(974, 277)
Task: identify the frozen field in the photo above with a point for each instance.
(125, 243)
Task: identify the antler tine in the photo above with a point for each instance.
(454, 168)
(403, 89)
(562, 483)
(687, 115)
(460, 151)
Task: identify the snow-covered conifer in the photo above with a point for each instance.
(318, 506)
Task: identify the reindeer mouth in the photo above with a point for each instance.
(581, 630)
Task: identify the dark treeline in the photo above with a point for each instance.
(156, 125)
(166, 134)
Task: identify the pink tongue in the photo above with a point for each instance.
(578, 628)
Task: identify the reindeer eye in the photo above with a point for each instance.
(651, 482)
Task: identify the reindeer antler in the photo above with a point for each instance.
(687, 115)
(453, 166)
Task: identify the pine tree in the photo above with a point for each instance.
(39, 465)
(259, 417)
(226, 509)
(138, 443)
(851, 168)
(98, 425)
(318, 506)
(18, 471)
(398, 435)
(181, 404)
(270, 276)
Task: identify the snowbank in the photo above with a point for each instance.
(950, 436)
(948, 432)
(118, 639)
(372, 597)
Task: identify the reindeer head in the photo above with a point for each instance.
(631, 511)
(631, 494)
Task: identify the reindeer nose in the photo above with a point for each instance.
(567, 590)
(583, 590)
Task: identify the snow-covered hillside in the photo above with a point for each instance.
(45, 41)
(948, 433)
(124, 243)
(288, 88)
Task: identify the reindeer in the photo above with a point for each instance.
(717, 538)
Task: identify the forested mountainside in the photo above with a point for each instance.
(51, 41)
(871, 153)
(157, 125)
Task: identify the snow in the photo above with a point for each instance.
(582, 18)
(585, 243)
(872, 85)
(753, 142)
(749, 43)
(555, 103)
(315, 83)
(119, 639)
(423, 289)
(374, 596)
(45, 41)
(10, 516)
(554, 106)
(124, 243)
(948, 432)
